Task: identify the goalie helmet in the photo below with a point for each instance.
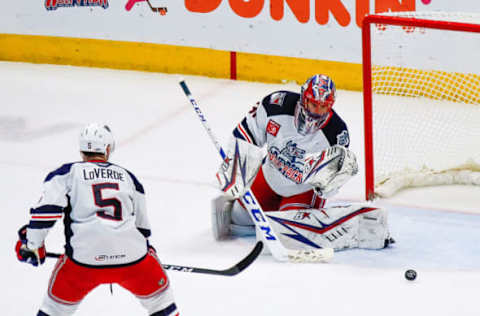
(95, 138)
(314, 108)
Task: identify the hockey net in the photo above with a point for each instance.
(421, 100)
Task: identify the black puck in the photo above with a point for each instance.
(410, 275)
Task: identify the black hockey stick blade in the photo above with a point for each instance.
(234, 270)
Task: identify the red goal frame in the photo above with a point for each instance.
(367, 76)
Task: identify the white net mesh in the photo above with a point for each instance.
(426, 104)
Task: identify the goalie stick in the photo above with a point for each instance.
(234, 270)
(269, 237)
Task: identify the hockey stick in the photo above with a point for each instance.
(234, 270)
(255, 211)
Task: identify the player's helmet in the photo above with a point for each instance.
(95, 138)
(317, 92)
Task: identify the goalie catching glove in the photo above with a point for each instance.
(237, 171)
(35, 257)
(330, 169)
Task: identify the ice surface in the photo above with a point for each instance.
(160, 139)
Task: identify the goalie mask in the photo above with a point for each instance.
(95, 138)
(314, 108)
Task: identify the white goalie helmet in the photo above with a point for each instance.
(95, 138)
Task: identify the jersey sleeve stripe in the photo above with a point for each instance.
(237, 134)
(46, 217)
(41, 224)
(244, 133)
(47, 209)
(244, 126)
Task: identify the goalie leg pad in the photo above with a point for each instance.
(221, 217)
(229, 219)
(242, 224)
(339, 227)
(373, 230)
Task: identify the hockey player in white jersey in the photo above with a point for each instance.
(291, 150)
(106, 231)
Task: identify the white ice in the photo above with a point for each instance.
(160, 139)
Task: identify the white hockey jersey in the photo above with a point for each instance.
(272, 124)
(104, 213)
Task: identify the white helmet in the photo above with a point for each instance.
(95, 138)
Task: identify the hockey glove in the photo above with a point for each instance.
(329, 170)
(34, 257)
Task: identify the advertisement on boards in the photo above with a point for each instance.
(314, 29)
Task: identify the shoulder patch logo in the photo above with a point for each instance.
(277, 98)
(273, 128)
(343, 139)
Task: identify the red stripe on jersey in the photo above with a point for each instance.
(46, 216)
(244, 133)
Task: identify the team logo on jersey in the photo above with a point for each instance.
(277, 98)
(55, 4)
(343, 139)
(288, 161)
(273, 128)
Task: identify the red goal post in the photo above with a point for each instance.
(412, 62)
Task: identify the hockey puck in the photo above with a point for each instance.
(410, 275)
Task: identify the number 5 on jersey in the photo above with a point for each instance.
(101, 202)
